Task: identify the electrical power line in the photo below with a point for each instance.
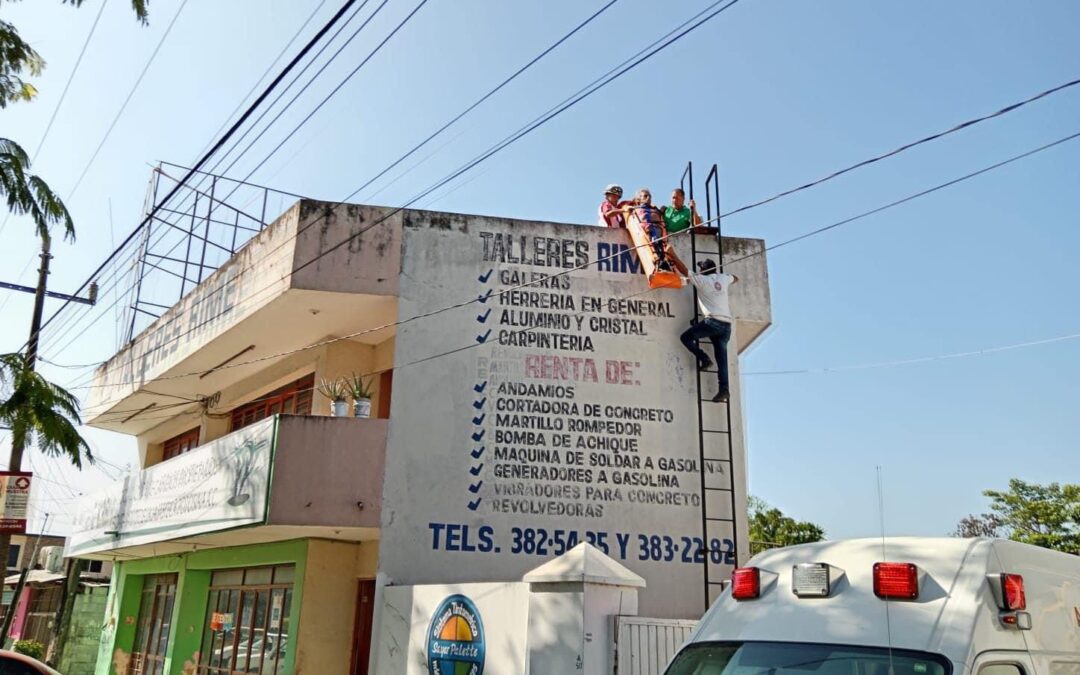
(471, 301)
(429, 138)
(920, 359)
(217, 146)
(127, 100)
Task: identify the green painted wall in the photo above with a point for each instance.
(189, 612)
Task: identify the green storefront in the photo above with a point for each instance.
(240, 556)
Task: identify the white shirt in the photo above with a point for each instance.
(713, 294)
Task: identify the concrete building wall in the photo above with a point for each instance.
(328, 472)
(328, 616)
(252, 278)
(368, 263)
(555, 411)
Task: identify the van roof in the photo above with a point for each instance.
(955, 608)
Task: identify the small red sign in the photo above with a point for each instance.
(14, 499)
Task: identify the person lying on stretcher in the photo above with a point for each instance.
(652, 221)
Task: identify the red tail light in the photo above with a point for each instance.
(1012, 588)
(746, 583)
(896, 581)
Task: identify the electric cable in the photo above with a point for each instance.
(465, 303)
(919, 359)
(63, 95)
(490, 93)
(127, 100)
(221, 142)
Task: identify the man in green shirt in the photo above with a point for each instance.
(678, 216)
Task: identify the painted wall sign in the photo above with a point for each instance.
(556, 413)
(15, 497)
(221, 485)
(456, 640)
(457, 629)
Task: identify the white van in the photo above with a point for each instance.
(921, 606)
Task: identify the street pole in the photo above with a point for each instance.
(18, 445)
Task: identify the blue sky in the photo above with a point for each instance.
(776, 92)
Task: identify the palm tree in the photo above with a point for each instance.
(36, 410)
(27, 194)
(40, 411)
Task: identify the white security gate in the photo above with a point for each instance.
(644, 646)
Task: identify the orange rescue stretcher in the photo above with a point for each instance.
(646, 253)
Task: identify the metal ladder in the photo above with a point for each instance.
(718, 553)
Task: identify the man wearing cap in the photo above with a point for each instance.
(712, 295)
(611, 214)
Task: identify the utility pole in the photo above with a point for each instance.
(18, 445)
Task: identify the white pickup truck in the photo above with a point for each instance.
(905, 606)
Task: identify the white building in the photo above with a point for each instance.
(529, 393)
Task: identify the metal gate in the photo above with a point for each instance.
(644, 646)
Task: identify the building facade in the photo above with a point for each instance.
(528, 393)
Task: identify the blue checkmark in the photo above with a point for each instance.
(473, 505)
(479, 404)
(477, 452)
(475, 487)
(479, 420)
(484, 277)
(483, 297)
(479, 388)
(482, 318)
(482, 338)
(477, 469)
(478, 435)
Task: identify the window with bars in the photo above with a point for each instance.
(178, 445)
(292, 399)
(247, 621)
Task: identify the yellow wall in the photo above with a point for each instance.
(325, 636)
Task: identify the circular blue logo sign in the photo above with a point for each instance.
(456, 641)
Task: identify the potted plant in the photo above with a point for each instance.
(360, 388)
(337, 391)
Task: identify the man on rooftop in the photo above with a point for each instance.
(679, 216)
(610, 211)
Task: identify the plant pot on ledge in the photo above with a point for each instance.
(362, 407)
(336, 390)
(361, 391)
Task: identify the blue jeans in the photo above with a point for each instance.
(719, 333)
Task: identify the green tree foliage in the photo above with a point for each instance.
(770, 528)
(27, 194)
(38, 410)
(1043, 515)
(18, 59)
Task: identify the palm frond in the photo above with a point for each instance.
(139, 6)
(39, 411)
(49, 209)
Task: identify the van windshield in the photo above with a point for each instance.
(790, 658)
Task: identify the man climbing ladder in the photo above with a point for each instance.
(715, 325)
